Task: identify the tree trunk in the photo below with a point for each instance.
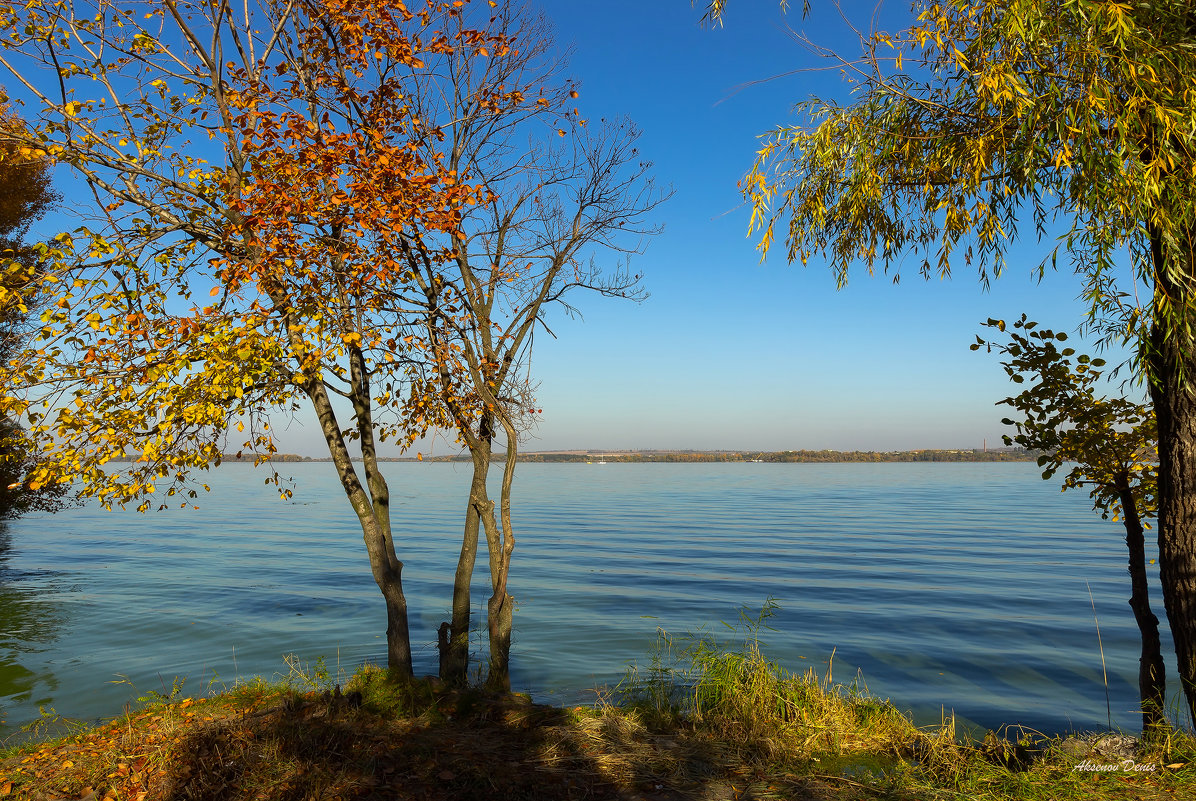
(500, 621)
(497, 676)
(1172, 361)
(454, 662)
(398, 636)
(1175, 407)
(372, 510)
(454, 667)
(1152, 676)
(501, 544)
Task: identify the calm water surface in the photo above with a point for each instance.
(963, 586)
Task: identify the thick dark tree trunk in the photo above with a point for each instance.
(1152, 675)
(1172, 361)
(1175, 407)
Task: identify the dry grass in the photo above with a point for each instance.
(701, 723)
(379, 740)
(739, 693)
(273, 743)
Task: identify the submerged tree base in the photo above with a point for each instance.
(384, 739)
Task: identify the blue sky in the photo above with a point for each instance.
(729, 352)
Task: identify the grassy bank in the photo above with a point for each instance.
(698, 722)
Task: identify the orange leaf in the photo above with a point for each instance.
(215, 291)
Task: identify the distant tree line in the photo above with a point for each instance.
(1004, 455)
(1015, 455)
(361, 210)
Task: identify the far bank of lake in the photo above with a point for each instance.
(963, 585)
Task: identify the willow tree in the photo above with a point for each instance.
(1108, 444)
(985, 118)
(251, 168)
(563, 199)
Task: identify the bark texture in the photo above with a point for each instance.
(372, 507)
(501, 544)
(1173, 392)
(1175, 407)
(454, 666)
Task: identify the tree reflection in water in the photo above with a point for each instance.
(29, 624)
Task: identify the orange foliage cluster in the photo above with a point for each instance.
(297, 238)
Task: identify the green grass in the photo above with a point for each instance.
(702, 720)
(806, 724)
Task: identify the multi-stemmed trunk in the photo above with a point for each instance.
(371, 503)
(1152, 676)
(500, 544)
(454, 658)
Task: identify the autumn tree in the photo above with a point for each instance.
(26, 194)
(564, 197)
(253, 169)
(1110, 445)
(984, 118)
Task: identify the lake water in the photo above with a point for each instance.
(964, 586)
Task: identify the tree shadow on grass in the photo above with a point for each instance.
(459, 746)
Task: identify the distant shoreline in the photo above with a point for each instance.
(667, 457)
